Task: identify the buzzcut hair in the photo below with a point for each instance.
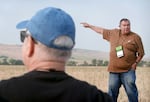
(124, 19)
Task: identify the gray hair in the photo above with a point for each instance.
(61, 55)
(63, 41)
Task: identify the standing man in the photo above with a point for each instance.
(48, 39)
(126, 51)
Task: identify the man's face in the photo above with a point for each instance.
(125, 27)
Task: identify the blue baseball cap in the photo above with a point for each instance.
(48, 24)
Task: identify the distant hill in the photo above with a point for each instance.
(12, 51)
(79, 55)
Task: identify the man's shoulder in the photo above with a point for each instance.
(9, 81)
(135, 35)
(88, 89)
(14, 79)
(113, 29)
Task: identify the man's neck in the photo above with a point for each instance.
(48, 65)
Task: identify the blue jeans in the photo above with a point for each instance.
(127, 79)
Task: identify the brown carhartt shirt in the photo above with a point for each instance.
(132, 47)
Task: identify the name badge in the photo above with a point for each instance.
(119, 51)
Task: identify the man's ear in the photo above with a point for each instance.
(30, 46)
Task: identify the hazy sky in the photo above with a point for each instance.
(104, 13)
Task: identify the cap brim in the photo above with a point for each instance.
(22, 24)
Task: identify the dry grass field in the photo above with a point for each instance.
(97, 76)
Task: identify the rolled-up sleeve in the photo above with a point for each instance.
(140, 48)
